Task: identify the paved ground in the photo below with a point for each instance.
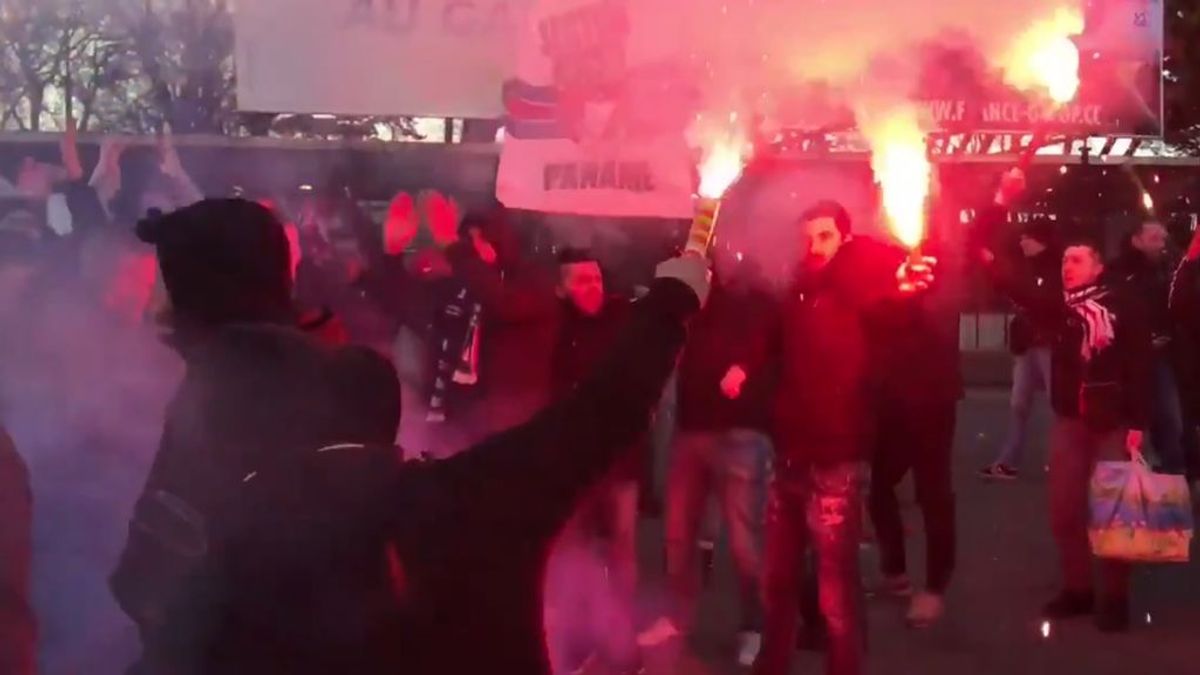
(1006, 571)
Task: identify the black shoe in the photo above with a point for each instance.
(1069, 605)
(1113, 616)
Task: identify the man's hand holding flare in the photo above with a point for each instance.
(916, 274)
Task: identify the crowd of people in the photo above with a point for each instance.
(281, 530)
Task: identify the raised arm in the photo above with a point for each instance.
(69, 149)
(106, 177)
(526, 481)
(186, 192)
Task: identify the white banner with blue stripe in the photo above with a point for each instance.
(595, 118)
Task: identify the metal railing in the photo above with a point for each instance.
(983, 331)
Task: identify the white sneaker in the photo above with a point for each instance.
(925, 610)
(749, 644)
(659, 633)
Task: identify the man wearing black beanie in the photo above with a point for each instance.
(277, 532)
(222, 261)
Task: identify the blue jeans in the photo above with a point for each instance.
(1166, 420)
(731, 466)
(818, 508)
(1031, 373)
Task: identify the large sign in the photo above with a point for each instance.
(437, 58)
(596, 114)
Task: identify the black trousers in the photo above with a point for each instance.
(916, 437)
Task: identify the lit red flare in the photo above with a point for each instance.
(704, 223)
(1045, 58)
(902, 169)
(724, 149)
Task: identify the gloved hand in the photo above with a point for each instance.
(692, 270)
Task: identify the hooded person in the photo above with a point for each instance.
(225, 266)
(279, 533)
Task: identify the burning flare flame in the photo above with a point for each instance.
(1044, 56)
(724, 149)
(901, 168)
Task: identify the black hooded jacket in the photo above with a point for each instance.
(279, 535)
(734, 328)
(1109, 388)
(1045, 279)
(829, 346)
(1149, 281)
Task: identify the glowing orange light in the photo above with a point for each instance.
(1147, 201)
(902, 170)
(1044, 56)
(724, 149)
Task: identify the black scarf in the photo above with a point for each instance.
(456, 338)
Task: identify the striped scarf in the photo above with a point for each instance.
(456, 336)
(1098, 327)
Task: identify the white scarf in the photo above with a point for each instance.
(1098, 331)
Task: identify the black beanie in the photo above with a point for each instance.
(223, 261)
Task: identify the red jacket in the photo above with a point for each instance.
(827, 347)
(18, 630)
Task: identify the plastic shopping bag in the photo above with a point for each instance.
(1138, 515)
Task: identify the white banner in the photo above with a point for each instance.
(437, 58)
(595, 118)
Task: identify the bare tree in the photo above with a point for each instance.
(137, 65)
(183, 52)
(30, 56)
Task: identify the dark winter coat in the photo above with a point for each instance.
(828, 350)
(18, 629)
(278, 535)
(734, 328)
(580, 347)
(1109, 390)
(1045, 278)
(1150, 282)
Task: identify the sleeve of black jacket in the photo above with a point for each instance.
(18, 633)
(1045, 305)
(987, 229)
(521, 485)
